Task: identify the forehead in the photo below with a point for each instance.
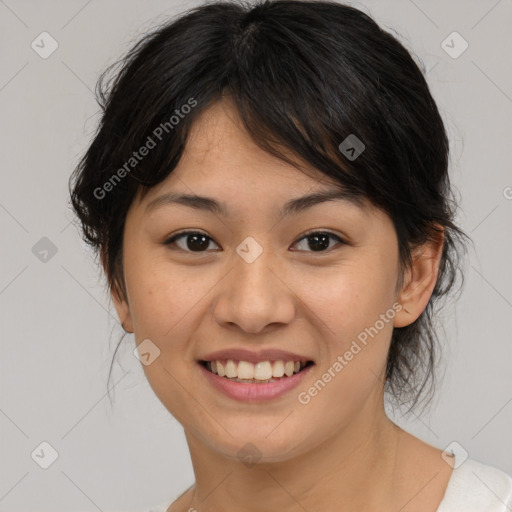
(220, 153)
(221, 165)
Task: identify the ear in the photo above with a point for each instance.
(122, 308)
(118, 298)
(419, 281)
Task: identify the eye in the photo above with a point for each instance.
(195, 241)
(319, 240)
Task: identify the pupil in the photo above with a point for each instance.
(317, 244)
(194, 245)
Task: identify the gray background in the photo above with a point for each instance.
(58, 328)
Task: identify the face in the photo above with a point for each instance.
(257, 283)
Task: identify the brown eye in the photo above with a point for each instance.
(195, 241)
(319, 241)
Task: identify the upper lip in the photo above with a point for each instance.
(241, 354)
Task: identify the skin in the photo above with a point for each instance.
(339, 451)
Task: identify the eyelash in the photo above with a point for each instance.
(183, 234)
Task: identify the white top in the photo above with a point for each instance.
(473, 487)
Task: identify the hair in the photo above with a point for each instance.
(303, 76)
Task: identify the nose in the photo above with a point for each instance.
(255, 296)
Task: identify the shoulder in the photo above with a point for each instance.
(477, 487)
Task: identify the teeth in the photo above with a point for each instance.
(278, 369)
(245, 370)
(263, 371)
(230, 369)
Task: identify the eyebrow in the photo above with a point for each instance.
(293, 206)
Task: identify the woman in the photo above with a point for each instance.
(268, 192)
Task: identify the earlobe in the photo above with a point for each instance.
(420, 281)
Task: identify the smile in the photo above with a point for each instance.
(255, 373)
(254, 382)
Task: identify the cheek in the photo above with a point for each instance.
(162, 296)
(166, 304)
(350, 298)
(353, 308)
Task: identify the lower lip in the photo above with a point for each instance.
(248, 392)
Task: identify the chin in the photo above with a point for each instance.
(262, 444)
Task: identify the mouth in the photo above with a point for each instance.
(261, 372)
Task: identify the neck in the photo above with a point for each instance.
(332, 475)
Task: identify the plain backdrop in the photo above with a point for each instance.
(58, 328)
